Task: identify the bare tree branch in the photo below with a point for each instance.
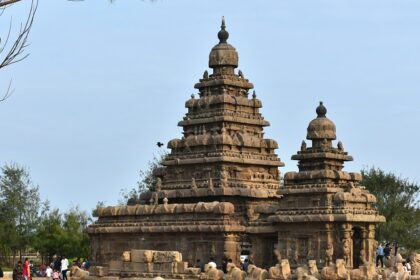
(4, 3)
(8, 93)
(16, 51)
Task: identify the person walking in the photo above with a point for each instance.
(380, 255)
(64, 267)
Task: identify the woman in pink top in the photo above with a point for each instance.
(26, 270)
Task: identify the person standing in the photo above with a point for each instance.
(245, 265)
(26, 270)
(57, 264)
(64, 267)
(380, 255)
(18, 271)
(387, 251)
(48, 272)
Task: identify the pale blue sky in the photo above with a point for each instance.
(105, 82)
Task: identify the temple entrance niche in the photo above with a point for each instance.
(357, 246)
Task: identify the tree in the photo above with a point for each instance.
(48, 240)
(398, 200)
(146, 182)
(63, 234)
(76, 239)
(19, 209)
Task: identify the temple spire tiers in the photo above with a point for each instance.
(331, 199)
(223, 147)
(322, 161)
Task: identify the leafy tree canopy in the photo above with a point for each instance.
(398, 200)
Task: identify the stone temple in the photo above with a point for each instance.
(220, 193)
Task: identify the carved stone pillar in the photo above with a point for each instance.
(231, 247)
(371, 243)
(346, 245)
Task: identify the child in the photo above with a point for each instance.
(56, 275)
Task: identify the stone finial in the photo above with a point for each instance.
(303, 146)
(340, 146)
(240, 74)
(321, 127)
(206, 74)
(321, 110)
(254, 95)
(223, 35)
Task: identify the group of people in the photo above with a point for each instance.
(383, 253)
(22, 271)
(57, 270)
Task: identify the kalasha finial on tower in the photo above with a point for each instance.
(321, 110)
(223, 34)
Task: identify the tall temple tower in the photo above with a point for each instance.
(222, 154)
(325, 210)
(214, 181)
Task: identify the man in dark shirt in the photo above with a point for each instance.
(387, 251)
(57, 264)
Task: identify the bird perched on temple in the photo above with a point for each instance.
(159, 144)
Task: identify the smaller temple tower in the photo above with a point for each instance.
(325, 213)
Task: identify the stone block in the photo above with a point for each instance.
(115, 265)
(110, 278)
(166, 256)
(98, 271)
(162, 267)
(115, 268)
(180, 267)
(141, 255)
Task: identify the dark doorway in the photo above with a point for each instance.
(357, 246)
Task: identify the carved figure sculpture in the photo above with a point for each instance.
(76, 271)
(329, 254)
(364, 272)
(234, 273)
(256, 273)
(346, 251)
(309, 270)
(194, 187)
(126, 256)
(148, 256)
(415, 264)
(363, 258)
(309, 277)
(399, 274)
(340, 146)
(281, 270)
(336, 271)
(212, 273)
(303, 146)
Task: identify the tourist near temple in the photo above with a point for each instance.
(220, 194)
